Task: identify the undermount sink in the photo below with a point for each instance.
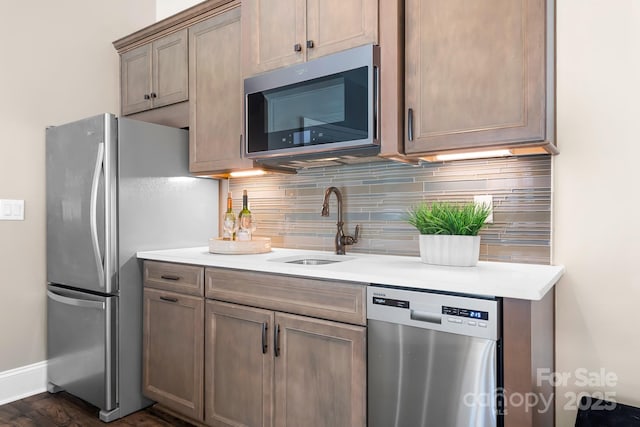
(312, 259)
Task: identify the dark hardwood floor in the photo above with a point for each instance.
(62, 409)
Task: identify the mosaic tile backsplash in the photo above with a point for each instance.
(377, 196)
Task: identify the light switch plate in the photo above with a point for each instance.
(11, 210)
(486, 200)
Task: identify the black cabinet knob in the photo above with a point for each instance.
(310, 44)
(146, 96)
(297, 47)
(153, 95)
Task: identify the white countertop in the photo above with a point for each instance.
(509, 280)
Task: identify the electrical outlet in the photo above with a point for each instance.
(12, 210)
(486, 200)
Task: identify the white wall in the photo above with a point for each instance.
(596, 202)
(165, 8)
(58, 65)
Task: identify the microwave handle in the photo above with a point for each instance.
(376, 102)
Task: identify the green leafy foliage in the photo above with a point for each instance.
(448, 218)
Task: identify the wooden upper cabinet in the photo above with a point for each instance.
(170, 70)
(476, 74)
(271, 31)
(215, 95)
(277, 34)
(135, 79)
(335, 25)
(155, 74)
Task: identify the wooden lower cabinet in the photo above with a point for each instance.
(528, 339)
(231, 364)
(238, 371)
(173, 351)
(267, 368)
(320, 373)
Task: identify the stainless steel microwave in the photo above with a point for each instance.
(324, 107)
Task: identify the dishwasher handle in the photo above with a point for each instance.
(425, 316)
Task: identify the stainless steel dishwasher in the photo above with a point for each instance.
(433, 359)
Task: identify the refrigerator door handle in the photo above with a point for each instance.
(76, 302)
(93, 213)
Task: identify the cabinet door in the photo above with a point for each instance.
(135, 79)
(475, 73)
(335, 25)
(239, 365)
(173, 334)
(271, 30)
(215, 95)
(319, 373)
(170, 69)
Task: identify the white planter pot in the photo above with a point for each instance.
(439, 249)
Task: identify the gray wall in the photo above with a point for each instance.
(377, 196)
(58, 65)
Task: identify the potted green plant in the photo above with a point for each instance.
(449, 232)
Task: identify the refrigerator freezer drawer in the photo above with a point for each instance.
(81, 345)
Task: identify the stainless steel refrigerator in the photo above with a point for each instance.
(114, 186)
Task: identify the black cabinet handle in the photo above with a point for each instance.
(146, 96)
(170, 277)
(297, 47)
(265, 327)
(410, 124)
(153, 95)
(276, 341)
(310, 44)
(169, 299)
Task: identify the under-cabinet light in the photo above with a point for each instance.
(246, 173)
(326, 159)
(473, 155)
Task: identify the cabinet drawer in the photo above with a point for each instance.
(327, 299)
(185, 279)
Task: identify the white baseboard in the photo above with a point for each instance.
(23, 382)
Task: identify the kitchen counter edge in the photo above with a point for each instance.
(491, 279)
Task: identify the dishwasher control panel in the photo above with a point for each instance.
(465, 312)
(465, 315)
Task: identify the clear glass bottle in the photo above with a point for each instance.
(229, 225)
(244, 219)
